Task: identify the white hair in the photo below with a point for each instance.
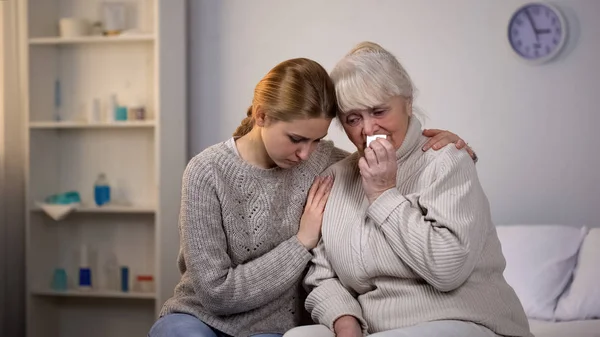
(369, 76)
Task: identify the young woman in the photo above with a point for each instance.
(251, 211)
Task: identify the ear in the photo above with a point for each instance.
(260, 117)
(409, 109)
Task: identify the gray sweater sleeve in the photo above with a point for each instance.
(439, 233)
(222, 288)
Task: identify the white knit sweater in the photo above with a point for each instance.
(424, 251)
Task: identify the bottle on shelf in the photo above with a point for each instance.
(59, 280)
(85, 272)
(111, 108)
(111, 272)
(101, 190)
(124, 279)
(94, 116)
(137, 111)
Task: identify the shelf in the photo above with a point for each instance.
(95, 294)
(91, 39)
(66, 149)
(86, 125)
(111, 209)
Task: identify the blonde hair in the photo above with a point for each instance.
(368, 76)
(294, 89)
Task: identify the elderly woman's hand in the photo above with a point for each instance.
(378, 168)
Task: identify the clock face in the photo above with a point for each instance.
(536, 32)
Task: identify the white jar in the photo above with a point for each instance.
(73, 27)
(145, 283)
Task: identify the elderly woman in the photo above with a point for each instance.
(408, 245)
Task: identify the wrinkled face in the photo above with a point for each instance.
(390, 119)
(290, 143)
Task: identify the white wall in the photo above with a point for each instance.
(532, 126)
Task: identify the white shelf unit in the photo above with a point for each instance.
(92, 294)
(108, 209)
(92, 39)
(87, 125)
(143, 160)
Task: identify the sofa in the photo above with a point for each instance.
(555, 271)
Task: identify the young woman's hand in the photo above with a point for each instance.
(378, 168)
(347, 326)
(312, 218)
(440, 138)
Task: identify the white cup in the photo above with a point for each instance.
(73, 27)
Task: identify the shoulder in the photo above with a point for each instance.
(348, 164)
(449, 158)
(329, 153)
(325, 155)
(337, 154)
(203, 165)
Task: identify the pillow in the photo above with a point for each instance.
(582, 299)
(540, 260)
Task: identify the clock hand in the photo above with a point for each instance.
(537, 38)
(543, 31)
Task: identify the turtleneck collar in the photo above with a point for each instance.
(411, 140)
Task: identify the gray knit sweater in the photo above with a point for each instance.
(240, 260)
(426, 250)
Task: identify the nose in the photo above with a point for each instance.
(369, 126)
(303, 152)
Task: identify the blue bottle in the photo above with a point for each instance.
(59, 280)
(124, 279)
(101, 190)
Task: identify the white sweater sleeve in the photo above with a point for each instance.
(440, 235)
(328, 299)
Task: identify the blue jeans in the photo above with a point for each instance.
(184, 325)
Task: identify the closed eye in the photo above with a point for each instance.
(352, 120)
(295, 140)
(379, 112)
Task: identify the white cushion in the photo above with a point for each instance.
(583, 328)
(540, 260)
(582, 298)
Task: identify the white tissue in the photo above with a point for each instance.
(58, 211)
(373, 137)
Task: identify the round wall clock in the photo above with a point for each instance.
(537, 32)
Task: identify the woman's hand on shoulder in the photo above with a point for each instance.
(440, 138)
(378, 168)
(312, 218)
